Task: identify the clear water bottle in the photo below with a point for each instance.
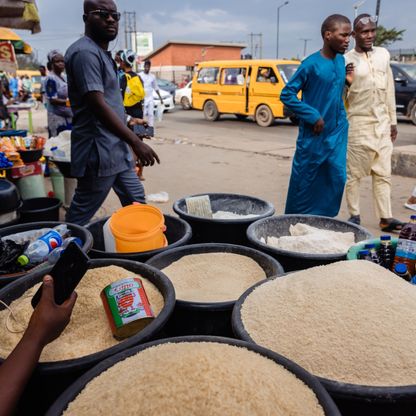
(386, 251)
(39, 250)
(27, 236)
(56, 254)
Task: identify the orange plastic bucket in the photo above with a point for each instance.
(138, 228)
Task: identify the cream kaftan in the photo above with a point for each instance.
(371, 110)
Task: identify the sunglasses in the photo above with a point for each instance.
(105, 14)
(367, 19)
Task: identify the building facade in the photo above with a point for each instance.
(176, 60)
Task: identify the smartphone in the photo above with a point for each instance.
(145, 131)
(67, 273)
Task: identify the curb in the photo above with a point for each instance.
(403, 161)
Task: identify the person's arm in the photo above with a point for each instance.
(105, 114)
(46, 324)
(391, 101)
(303, 111)
(156, 88)
(87, 74)
(52, 93)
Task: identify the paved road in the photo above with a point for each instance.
(186, 124)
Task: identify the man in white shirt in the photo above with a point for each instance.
(371, 110)
(149, 84)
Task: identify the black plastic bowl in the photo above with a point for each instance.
(40, 209)
(29, 156)
(351, 399)
(9, 196)
(178, 233)
(208, 318)
(279, 226)
(52, 378)
(209, 230)
(70, 394)
(76, 231)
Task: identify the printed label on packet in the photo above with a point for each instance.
(406, 249)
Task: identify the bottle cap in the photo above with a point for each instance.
(385, 238)
(400, 268)
(413, 217)
(369, 246)
(363, 252)
(23, 260)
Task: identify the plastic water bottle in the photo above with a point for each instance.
(39, 250)
(54, 255)
(373, 253)
(406, 246)
(27, 236)
(386, 252)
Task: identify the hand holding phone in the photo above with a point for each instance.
(66, 274)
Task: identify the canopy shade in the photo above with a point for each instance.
(20, 14)
(20, 47)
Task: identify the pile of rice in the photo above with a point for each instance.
(213, 277)
(196, 379)
(227, 215)
(351, 321)
(304, 238)
(89, 330)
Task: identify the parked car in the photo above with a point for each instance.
(168, 102)
(166, 85)
(184, 96)
(405, 82)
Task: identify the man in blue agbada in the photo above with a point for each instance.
(319, 165)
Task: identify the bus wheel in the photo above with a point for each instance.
(264, 116)
(241, 116)
(211, 111)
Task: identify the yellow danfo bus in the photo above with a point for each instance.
(244, 88)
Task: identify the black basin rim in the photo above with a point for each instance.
(387, 394)
(291, 254)
(186, 237)
(57, 204)
(49, 368)
(270, 210)
(72, 392)
(215, 248)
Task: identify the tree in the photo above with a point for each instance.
(385, 37)
(28, 62)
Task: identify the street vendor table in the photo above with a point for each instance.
(13, 108)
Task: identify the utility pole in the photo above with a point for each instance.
(378, 10)
(278, 27)
(305, 45)
(357, 5)
(130, 31)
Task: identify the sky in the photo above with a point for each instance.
(219, 20)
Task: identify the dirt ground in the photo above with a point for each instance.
(237, 157)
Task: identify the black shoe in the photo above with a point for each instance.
(355, 219)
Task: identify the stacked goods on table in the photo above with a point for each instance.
(89, 331)
(350, 322)
(203, 377)
(8, 151)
